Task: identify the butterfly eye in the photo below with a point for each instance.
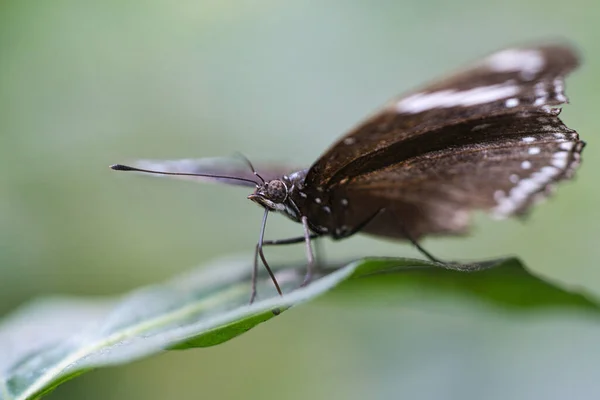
(277, 191)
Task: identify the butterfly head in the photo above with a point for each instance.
(271, 195)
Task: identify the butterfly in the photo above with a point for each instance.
(486, 138)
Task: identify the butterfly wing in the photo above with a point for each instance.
(516, 165)
(219, 166)
(505, 83)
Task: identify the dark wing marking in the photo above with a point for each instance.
(504, 83)
(214, 166)
(434, 193)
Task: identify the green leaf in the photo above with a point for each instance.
(53, 340)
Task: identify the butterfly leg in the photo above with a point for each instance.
(455, 266)
(363, 224)
(309, 253)
(259, 252)
(445, 264)
(294, 240)
(358, 227)
(421, 250)
(299, 239)
(414, 242)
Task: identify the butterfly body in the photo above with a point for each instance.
(294, 199)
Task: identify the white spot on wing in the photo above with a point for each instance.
(534, 150)
(528, 62)
(541, 94)
(559, 159)
(559, 87)
(420, 102)
(567, 146)
(559, 163)
(552, 111)
(514, 178)
(526, 165)
(518, 195)
(528, 139)
(513, 102)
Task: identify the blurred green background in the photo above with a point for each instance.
(84, 84)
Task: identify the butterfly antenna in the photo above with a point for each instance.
(121, 167)
(247, 161)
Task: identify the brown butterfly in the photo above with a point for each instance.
(486, 138)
